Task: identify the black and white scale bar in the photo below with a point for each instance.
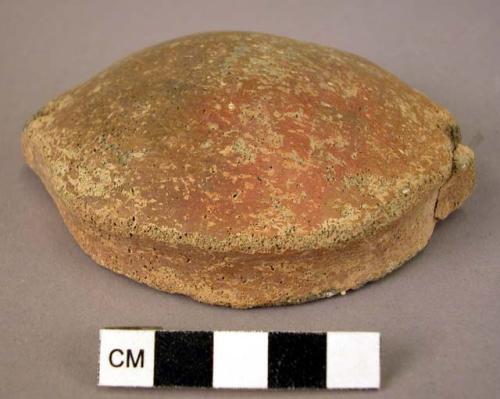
(239, 359)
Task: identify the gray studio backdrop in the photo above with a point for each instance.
(438, 315)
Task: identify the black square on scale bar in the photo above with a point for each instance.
(183, 358)
(297, 360)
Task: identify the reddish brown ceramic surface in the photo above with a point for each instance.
(247, 169)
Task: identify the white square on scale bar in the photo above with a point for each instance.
(353, 360)
(126, 358)
(240, 359)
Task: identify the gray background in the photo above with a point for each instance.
(438, 315)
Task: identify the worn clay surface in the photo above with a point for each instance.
(246, 169)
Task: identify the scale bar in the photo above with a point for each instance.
(239, 359)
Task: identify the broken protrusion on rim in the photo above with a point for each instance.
(460, 185)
